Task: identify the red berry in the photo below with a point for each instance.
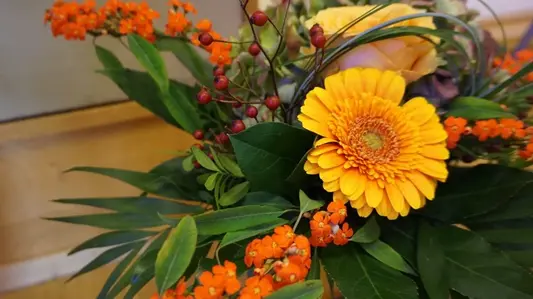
(221, 82)
(196, 164)
(198, 134)
(316, 29)
(210, 156)
(237, 105)
(254, 49)
(251, 111)
(237, 126)
(205, 38)
(259, 18)
(218, 71)
(199, 146)
(222, 138)
(203, 97)
(318, 40)
(272, 103)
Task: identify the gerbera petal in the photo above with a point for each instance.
(317, 151)
(433, 168)
(323, 141)
(371, 78)
(311, 168)
(373, 193)
(393, 215)
(340, 197)
(435, 151)
(423, 183)
(331, 186)
(410, 193)
(352, 183)
(315, 126)
(331, 174)
(395, 197)
(433, 133)
(384, 207)
(419, 110)
(353, 82)
(330, 160)
(358, 203)
(395, 89)
(364, 211)
(405, 211)
(335, 85)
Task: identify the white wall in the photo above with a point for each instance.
(40, 74)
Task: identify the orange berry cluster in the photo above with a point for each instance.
(180, 292)
(75, 20)
(329, 226)
(483, 129)
(283, 258)
(513, 64)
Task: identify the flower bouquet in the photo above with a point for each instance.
(345, 148)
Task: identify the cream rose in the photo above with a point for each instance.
(411, 56)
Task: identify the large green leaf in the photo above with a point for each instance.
(431, 263)
(472, 108)
(112, 238)
(387, 255)
(359, 276)
(189, 57)
(176, 254)
(234, 219)
(262, 198)
(265, 159)
(106, 257)
(479, 271)
(178, 102)
(475, 191)
(118, 271)
(400, 234)
(368, 233)
(149, 57)
(310, 289)
(307, 204)
(139, 204)
(234, 237)
(107, 58)
(114, 220)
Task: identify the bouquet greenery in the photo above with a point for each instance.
(345, 148)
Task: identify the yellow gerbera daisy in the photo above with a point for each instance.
(373, 152)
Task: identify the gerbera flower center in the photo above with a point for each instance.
(373, 139)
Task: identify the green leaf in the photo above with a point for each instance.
(265, 161)
(212, 180)
(118, 271)
(387, 255)
(359, 276)
(507, 235)
(522, 257)
(234, 237)
(368, 233)
(515, 77)
(149, 57)
(106, 257)
(114, 220)
(310, 289)
(234, 219)
(266, 199)
(307, 204)
(107, 58)
(189, 57)
(111, 239)
(472, 108)
(479, 271)
(400, 234)
(204, 160)
(298, 175)
(230, 165)
(431, 263)
(176, 254)
(314, 272)
(181, 108)
(187, 163)
(139, 204)
(488, 187)
(147, 182)
(234, 195)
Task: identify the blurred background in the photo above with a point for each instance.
(56, 112)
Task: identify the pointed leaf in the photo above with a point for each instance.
(314, 272)
(479, 271)
(431, 263)
(212, 180)
(266, 199)
(234, 219)
(107, 58)
(176, 254)
(204, 160)
(114, 220)
(234, 195)
(149, 57)
(359, 276)
(387, 255)
(234, 237)
(264, 160)
(136, 205)
(472, 108)
(111, 239)
(181, 108)
(307, 204)
(368, 233)
(488, 187)
(230, 165)
(106, 257)
(188, 164)
(310, 289)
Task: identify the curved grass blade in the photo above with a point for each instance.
(111, 239)
(498, 88)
